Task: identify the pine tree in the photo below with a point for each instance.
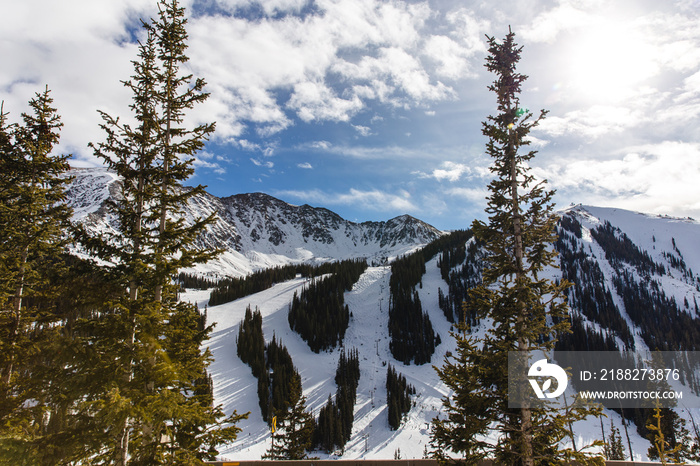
(152, 400)
(614, 450)
(32, 214)
(398, 397)
(670, 439)
(175, 95)
(295, 427)
(661, 445)
(33, 219)
(528, 311)
(463, 428)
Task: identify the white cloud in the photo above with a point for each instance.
(205, 155)
(80, 56)
(257, 58)
(324, 145)
(305, 165)
(394, 152)
(594, 122)
(363, 130)
(396, 77)
(247, 145)
(691, 84)
(452, 172)
(563, 17)
(374, 200)
(316, 101)
(658, 178)
(455, 52)
(269, 7)
(82, 49)
(476, 195)
(449, 55)
(214, 167)
(383, 59)
(261, 163)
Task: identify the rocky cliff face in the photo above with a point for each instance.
(257, 230)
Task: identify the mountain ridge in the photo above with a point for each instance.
(661, 237)
(372, 437)
(261, 231)
(257, 230)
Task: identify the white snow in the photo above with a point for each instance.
(235, 387)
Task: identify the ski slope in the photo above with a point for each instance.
(235, 388)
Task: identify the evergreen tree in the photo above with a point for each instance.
(614, 450)
(410, 329)
(176, 93)
(463, 428)
(295, 427)
(33, 219)
(398, 396)
(662, 447)
(528, 311)
(32, 215)
(670, 439)
(328, 427)
(151, 401)
(336, 417)
(320, 314)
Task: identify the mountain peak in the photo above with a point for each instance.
(257, 230)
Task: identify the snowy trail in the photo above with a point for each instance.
(236, 388)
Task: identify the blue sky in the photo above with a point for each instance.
(373, 108)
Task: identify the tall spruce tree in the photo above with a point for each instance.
(153, 400)
(32, 215)
(33, 219)
(527, 310)
(294, 428)
(614, 450)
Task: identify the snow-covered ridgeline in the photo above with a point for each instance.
(258, 231)
(368, 302)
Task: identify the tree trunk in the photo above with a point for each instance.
(523, 343)
(121, 455)
(627, 434)
(169, 92)
(17, 317)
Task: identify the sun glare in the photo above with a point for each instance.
(609, 63)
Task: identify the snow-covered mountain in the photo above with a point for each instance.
(671, 243)
(636, 282)
(258, 231)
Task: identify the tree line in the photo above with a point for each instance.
(588, 294)
(460, 267)
(664, 326)
(319, 313)
(410, 329)
(398, 396)
(270, 363)
(620, 249)
(280, 393)
(334, 424)
(233, 288)
(190, 280)
(99, 362)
